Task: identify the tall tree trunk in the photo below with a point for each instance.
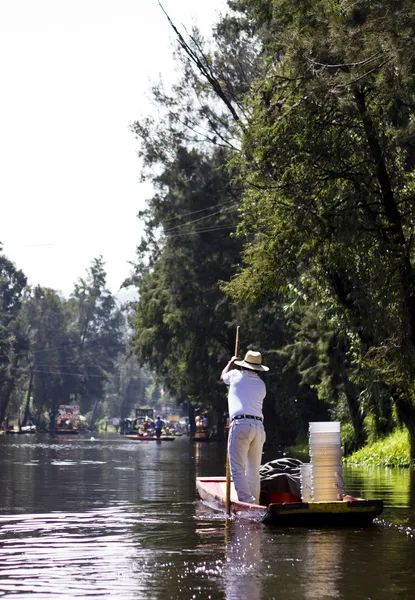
(272, 423)
(29, 393)
(406, 412)
(94, 415)
(220, 425)
(355, 414)
(397, 237)
(192, 420)
(52, 415)
(8, 387)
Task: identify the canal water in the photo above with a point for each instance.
(103, 516)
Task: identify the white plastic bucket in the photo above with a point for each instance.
(332, 497)
(317, 433)
(329, 481)
(329, 445)
(327, 462)
(321, 449)
(324, 426)
(328, 487)
(306, 485)
(326, 439)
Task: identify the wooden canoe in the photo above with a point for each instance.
(347, 512)
(151, 438)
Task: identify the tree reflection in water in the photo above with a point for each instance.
(262, 562)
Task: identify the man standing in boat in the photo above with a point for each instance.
(158, 426)
(246, 434)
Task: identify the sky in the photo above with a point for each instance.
(74, 75)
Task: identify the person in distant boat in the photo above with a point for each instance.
(158, 426)
(205, 424)
(246, 433)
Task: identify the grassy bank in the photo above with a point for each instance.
(391, 451)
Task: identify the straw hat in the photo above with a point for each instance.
(252, 361)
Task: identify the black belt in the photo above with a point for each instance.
(247, 417)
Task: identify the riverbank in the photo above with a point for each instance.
(391, 451)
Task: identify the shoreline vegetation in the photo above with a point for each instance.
(391, 451)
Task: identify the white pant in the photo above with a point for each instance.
(245, 443)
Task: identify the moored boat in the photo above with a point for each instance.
(202, 436)
(66, 431)
(151, 438)
(69, 421)
(346, 512)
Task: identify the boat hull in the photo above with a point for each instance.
(202, 438)
(70, 431)
(343, 513)
(141, 438)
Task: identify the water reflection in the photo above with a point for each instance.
(114, 518)
(263, 562)
(395, 486)
(209, 458)
(323, 565)
(243, 560)
(64, 554)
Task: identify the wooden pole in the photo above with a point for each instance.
(228, 466)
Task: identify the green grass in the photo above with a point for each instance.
(391, 451)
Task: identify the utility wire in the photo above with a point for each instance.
(207, 230)
(79, 342)
(63, 243)
(58, 372)
(49, 372)
(194, 212)
(197, 220)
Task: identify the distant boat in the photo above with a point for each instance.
(13, 431)
(66, 431)
(30, 428)
(69, 421)
(202, 436)
(152, 438)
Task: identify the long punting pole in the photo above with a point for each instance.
(228, 466)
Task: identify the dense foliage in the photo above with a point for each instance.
(314, 103)
(56, 351)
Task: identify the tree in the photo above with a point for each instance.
(52, 356)
(183, 322)
(12, 339)
(327, 164)
(100, 329)
(127, 386)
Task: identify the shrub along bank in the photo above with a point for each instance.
(391, 451)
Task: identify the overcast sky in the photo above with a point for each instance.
(74, 75)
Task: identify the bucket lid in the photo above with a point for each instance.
(327, 426)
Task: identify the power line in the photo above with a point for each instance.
(206, 230)
(77, 343)
(58, 372)
(194, 212)
(49, 372)
(63, 243)
(197, 220)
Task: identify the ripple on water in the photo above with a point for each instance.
(68, 554)
(112, 552)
